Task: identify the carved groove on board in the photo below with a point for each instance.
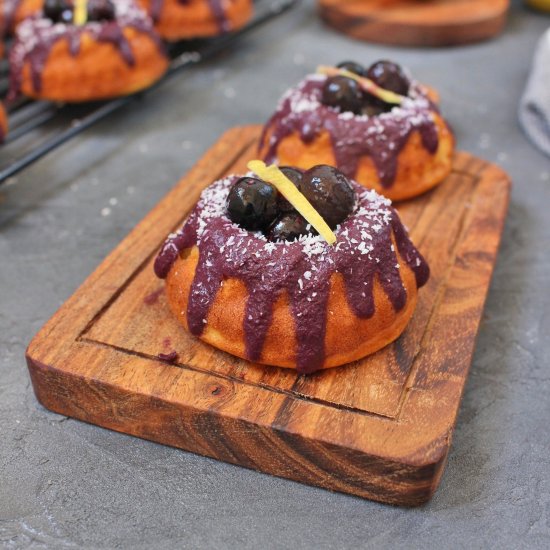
(296, 391)
(290, 394)
(465, 218)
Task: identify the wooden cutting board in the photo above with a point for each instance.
(379, 428)
(417, 22)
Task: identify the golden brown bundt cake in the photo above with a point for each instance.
(399, 149)
(115, 52)
(250, 276)
(183, 19)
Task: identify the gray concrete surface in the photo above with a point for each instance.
(65, 484)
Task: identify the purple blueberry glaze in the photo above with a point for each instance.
(216, 7)
(36, 37)
(152, 298)
(363, 250)
(352, 136)
(171, 357)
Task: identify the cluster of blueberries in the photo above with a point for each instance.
(61, 11)
(256, 205)
(346, 95)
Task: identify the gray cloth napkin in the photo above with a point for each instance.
(534, 108)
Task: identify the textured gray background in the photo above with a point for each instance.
(66, 484)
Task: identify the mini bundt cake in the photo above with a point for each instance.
(377, 126)
(183, 19)
(114, 51)
(249, 275)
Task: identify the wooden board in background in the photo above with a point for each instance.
(417, 22)
(379, 428)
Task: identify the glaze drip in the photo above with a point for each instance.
(36, 37)
(364, 250)
(216, 7)
(352, 136)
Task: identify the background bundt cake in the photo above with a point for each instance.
(115, 52)
(399, 149)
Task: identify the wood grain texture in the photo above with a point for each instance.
(417, 22)
(379, 428)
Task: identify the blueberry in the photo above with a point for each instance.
(295, 176)
(342, 92)
(352, 67)
(289, 227)
(252, 204)
(329, 192)
(59, 11)
(390, 76)
(373, 106)
(101, 10)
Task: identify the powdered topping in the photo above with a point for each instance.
(36, 36)
(381, 138)
(303, 268)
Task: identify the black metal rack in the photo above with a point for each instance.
(61, 122)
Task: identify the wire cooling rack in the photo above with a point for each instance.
(39, 127)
